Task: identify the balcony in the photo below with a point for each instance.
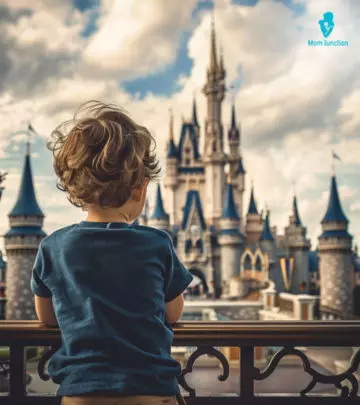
(208, 338)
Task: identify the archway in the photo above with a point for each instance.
(200, 277)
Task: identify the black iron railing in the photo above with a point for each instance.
(207, 337)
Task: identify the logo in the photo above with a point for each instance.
(327, 24)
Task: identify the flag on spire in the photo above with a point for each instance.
(335, 156)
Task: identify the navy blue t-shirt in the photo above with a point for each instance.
(109, 283)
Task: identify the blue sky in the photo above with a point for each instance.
(292, 100)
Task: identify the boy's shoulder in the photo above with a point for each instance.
(54, 236)
(154, 232)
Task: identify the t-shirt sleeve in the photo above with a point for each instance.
(37, 283)
(179, 277)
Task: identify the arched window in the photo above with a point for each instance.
(258, 264)
(247, 263)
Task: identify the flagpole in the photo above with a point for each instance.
(332, 164)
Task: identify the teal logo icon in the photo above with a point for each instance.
(327, 24)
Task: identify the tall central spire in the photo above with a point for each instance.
(213, 56)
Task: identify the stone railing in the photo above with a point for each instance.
(208, 338)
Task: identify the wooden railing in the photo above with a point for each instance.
(207, 337)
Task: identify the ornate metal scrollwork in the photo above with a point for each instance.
(200, 351)
(44, 359)
(317, 377)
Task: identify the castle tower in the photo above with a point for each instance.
(171, 176)
(336, 268)
(254, 224)
(267, 241)
(237, 170)
(214, 156)
(159, 219)
(21, 245)
(299, 246)
(230, 240)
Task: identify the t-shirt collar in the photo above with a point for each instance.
(109, 225)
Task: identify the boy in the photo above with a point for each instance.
(113, 288)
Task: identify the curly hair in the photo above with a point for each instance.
(102, 156)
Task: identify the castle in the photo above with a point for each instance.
(230, 251)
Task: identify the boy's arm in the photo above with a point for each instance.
(174, 309)
(45, 311)
(178, 279)
(43, 297)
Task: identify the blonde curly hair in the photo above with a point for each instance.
(102, 155)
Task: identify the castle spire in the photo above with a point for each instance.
(194, 113)
(159, 211)
(252, 205)
(221, 63)
(213, 56)
(233, 117)
(334, 212)
(230, 210)
(266, 233)
(296, 212)
(26, 204)
(172, 151)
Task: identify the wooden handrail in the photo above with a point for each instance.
(272, 333)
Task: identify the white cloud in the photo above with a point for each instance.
(137, 38)
(294, 100)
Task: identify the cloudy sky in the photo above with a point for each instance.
(295, 103)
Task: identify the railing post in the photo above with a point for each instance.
(247, 371)
(17, 386)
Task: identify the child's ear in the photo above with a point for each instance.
(138, 192)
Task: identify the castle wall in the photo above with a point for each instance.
(20, 304)
(336, 281)
(301, 270)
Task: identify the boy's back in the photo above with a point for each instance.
(109, 283)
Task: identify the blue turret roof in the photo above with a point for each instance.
(334, 211)
(229, 210)
(188, 130)
(266, 233)
(252, 205)
(240, 169)
(159, 211)
(172, 151)
(26, 204)
(296, 212)
(194, 114)
(193, 197)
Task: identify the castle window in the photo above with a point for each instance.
(258, 264)
(247, 263)
(187, 150)
(187, 162)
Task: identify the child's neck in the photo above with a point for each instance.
(108, 215)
